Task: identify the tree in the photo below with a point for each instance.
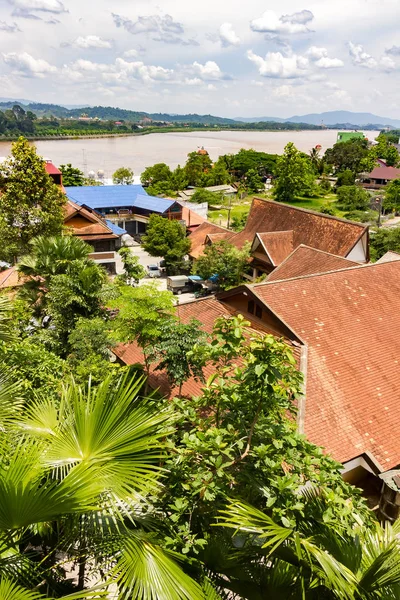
(353, 197)
(158, 173)
(142, 311)
(202, 195)
(226, 261)
(345, 177)
(347, 155)
(392, 157)
(197, 167)
(294, 174)
(253, 181)
(166, 238)
(72, 177)
(173, 351)
(383, 240)
(244, 160)
(133, 270)
(391, 200)
(76, 481)
(218, 174)
(123, 176)
(30, 203)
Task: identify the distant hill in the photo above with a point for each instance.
(343, 118)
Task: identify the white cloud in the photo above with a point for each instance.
(269, 22)
(9, 28)
(91, 41)
(133, 53)
(163, 28)
(210, 70)
(322, 61)
(283, 91)
(27, 66)
(27, 8)
(361, 58)
(394, 51)
(276, 65)
(227, 35)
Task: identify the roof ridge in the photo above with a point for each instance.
(312, 212)
(376, 264)
(274, 232)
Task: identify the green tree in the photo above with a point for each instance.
(294, 174)
(202, 195)
(226, 261)
(76, 481)
(166, 238)
(347, 155)
(253, 181)
(30, 203)
(179, 180)
(218, 174)
(244, 160)
(392, 157)
(133, 270)
(383, 240)
(353, 197)
(123, 176)
(173, 351)
(197, 168)
(158, 173)
(346, 177)
(72, 177)
(391, 200)
(142, 311)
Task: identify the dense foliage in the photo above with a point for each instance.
(166, 238)
(225, 261)
(295, 175)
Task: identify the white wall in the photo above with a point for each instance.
(359, 252)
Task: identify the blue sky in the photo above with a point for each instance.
(252, 58)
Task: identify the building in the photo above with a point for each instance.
(130, 207)
(274, 230)
(380, 176)
(103, 235)
(227, 191)
(346, 136)
(342, 325)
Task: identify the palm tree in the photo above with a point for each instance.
(75, 481)
(53, 256)
(311, 560)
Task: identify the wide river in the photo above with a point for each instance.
(139, 152)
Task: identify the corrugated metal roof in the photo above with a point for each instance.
(117, 196)
(114, 228)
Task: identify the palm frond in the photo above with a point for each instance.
(6, 334)
(10, 590)
(10, 402)
(147, 572)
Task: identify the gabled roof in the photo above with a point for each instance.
(324, 232)
(87, 224)
(276, 244)
(389, 256)
(308, 261)
(117, 196)
(199, 235)
(388, 173)
(51, 169)
(349, 320)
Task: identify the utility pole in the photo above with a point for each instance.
(229, 211)
(380, 211)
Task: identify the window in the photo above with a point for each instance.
(250, 307)
(258, 311)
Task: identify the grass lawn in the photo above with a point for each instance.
(219, 215)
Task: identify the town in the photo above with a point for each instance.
(199, 369)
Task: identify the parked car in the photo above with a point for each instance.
(179, 284)
(153, 271)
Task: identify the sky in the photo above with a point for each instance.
(246, 58)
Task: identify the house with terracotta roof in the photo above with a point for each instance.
(380, 176)
(342, 324)
(103, 235)
(275, 229)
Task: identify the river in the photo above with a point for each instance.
(139, 152)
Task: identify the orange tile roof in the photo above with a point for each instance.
(277, 244)
(198, 237)
(308, 261)
(323, 232)
(86, 223)
(350, 321)
(192, 218)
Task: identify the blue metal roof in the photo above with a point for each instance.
(117, 196)
(114, 228)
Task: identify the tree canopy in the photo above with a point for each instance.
(166, 238)
(224, 260)
(72, 177)
(294, 173)
(123, 176)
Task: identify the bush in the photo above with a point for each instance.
(346, 177)
(353, 197)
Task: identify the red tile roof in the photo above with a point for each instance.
(324, 232)
(308, 261)
(277, 244)
(387, 173)
(350, 321)
(198, 237)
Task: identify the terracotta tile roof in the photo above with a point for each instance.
(308, 261)
(350, 321)
(205, 310)
(388, 173)
(10, 278)
(198, 237)
(192, 218)
(85, 223)
(331, 234)
(277, 244)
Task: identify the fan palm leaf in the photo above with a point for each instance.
(6, 334)
(10, 590)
